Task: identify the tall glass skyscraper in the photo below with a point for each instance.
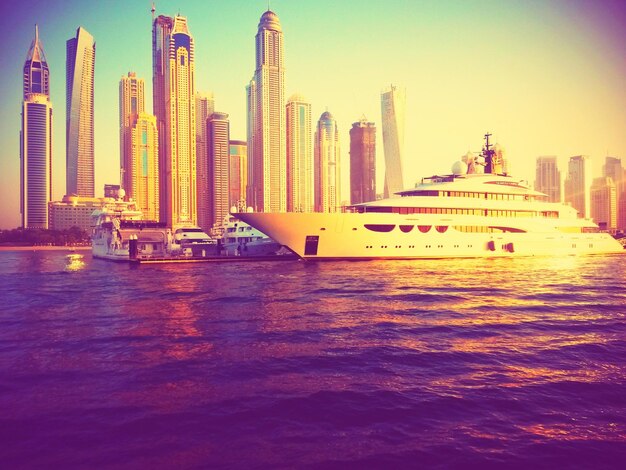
(143, 170)
(393, 102)
(577, 185)
(362, 162)
(161, 29)
(131, 105)
(80, 67)
(178, 191)
(613, 168)
(327, 175)
(205, 106)
(268, 174)
(299, 155)
(218, 149)
(36, 139)
(548, 178)
(237, 173)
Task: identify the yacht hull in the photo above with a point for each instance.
(324, 236)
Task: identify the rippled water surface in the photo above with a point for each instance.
(440, 363)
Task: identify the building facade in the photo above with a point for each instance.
(205, 106)
(268, 174)
(251, 139)
(178, 196)
(80, 68)
(327, 165)
(613, 169)
(548, 178)
(299, 155)
(161, 30)
(577, 184)
(218, 148)
(237, 174)
(131, 104)
(36, 139)
(604, 203)
(393, 103)
(74, 211)
(362, 162)
(144, 166)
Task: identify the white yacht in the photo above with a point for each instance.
(118, 222)
(450, 216)
(240, 239)
(193, 241)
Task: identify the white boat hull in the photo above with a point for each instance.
(322, 236)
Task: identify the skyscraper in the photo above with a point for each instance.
(548, 178)
(500, 153)
(205, 105)
(218, 149)
(237, 173)
(179, 158)
(604, 203)
(577, 185)
(268, 176)
(36, 139)
(251, 139)
(393, 103)
(299, 155)
(362, 162)
(80, 67)
(327, 176)
(161, 30)
(131, 105)
(613, 168)
(143, 169)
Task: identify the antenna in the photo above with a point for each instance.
(36, 33)
(153, 9)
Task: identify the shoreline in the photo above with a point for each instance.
(44, 248)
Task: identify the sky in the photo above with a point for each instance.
(544, 77)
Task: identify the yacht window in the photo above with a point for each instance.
(406, 228)
(441, 228)
(424, 228)
(380, 227)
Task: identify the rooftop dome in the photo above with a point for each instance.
(326, 116)
(297, 97)
(269, 20)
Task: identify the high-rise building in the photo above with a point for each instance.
(299, 155)
(80, 67)
(36, 139)
(548, 178)
(237, 173)
(267, 178)
(161, 30)
(327, 175)
(250, 138)
(613, 168)
(362, 162)
(177, 163)
(218, 149)
(205, 106)
(131, 105)
(500, 154)
(393, 102)
(604, 203)
(143, 168)
(577, 185)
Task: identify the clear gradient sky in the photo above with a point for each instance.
(545, 77)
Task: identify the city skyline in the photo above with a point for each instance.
(565, 98)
